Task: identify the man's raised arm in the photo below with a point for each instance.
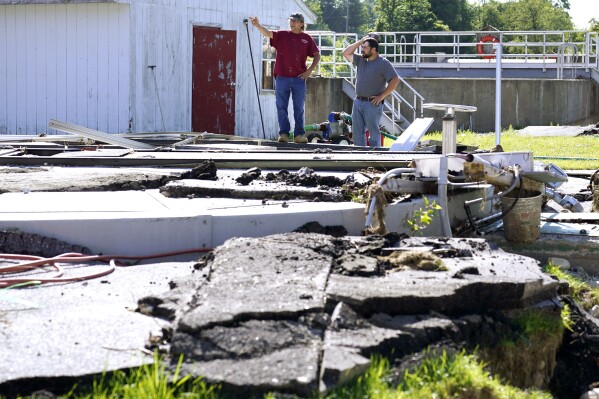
(256, 22)
(349, 51)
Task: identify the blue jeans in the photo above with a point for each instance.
(296, 87)
(365, 115)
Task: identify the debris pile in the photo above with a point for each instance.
(302, 313)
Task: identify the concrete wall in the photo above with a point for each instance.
(525, 102)
(325, 95)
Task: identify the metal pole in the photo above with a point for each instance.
(347, 16)
(498, 51)
(450, 132)
(245, 21)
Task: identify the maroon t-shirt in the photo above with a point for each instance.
(292, 51)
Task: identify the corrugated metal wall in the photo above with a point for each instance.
(64, 61)
(124, 67)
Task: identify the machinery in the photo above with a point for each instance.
(336, 130)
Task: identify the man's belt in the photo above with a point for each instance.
(365, 98)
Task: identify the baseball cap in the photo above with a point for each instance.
(297, 16)
(375, 36)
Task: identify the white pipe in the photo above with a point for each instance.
(380, 183)
(442, 194)
(567, 201)
(476, 159)
(498, 50)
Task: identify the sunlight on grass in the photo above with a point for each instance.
(443, 376)
(584, 149)
(585, 295)
(151, 381)
(438, 376)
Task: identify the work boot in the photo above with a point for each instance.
(283, 138)
(300, 139)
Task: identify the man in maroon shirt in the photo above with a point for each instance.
(293, 47)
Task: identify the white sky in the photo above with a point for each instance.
(582, 11)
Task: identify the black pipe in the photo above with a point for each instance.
(474, 225)
(245, 21)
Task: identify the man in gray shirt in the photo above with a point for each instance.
(376, 79)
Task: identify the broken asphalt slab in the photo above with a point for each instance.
(290, 313)
(269, 309)
(202, 181)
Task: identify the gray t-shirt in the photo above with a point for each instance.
(372, 76)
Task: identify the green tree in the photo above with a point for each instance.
(406, 15)
(562, 3)
(489, 14)
(370, 16)
(535, 15)
(458, 15)
(345, 15)
(524, 15)
(317, 9)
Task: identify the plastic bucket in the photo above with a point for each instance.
(521, 223)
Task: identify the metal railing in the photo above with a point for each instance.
(333, 64)
(331, 45)
(556, 50)
(521, 49)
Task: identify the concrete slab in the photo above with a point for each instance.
(57, 178)
(73, 330)
(146, 222)
(580, 250)
(568, 131)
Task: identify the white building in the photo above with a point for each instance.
(137, 65)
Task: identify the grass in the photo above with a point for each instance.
(579, 289)
(147, 382)
(533, 322)
(443, 376)
(440, 376)
(583, 149)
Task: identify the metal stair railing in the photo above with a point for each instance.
(592, 52)
(392, 108)
(331, 45)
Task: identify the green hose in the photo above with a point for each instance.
(315, 127)
(567, 158)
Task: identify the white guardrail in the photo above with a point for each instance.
(521, 49)
(333, 64)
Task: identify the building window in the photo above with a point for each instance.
(268, 63)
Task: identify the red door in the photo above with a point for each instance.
(213, 80)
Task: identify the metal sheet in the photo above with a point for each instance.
(96, 153)
(579, 229)
(98, 136)
(233, 160)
